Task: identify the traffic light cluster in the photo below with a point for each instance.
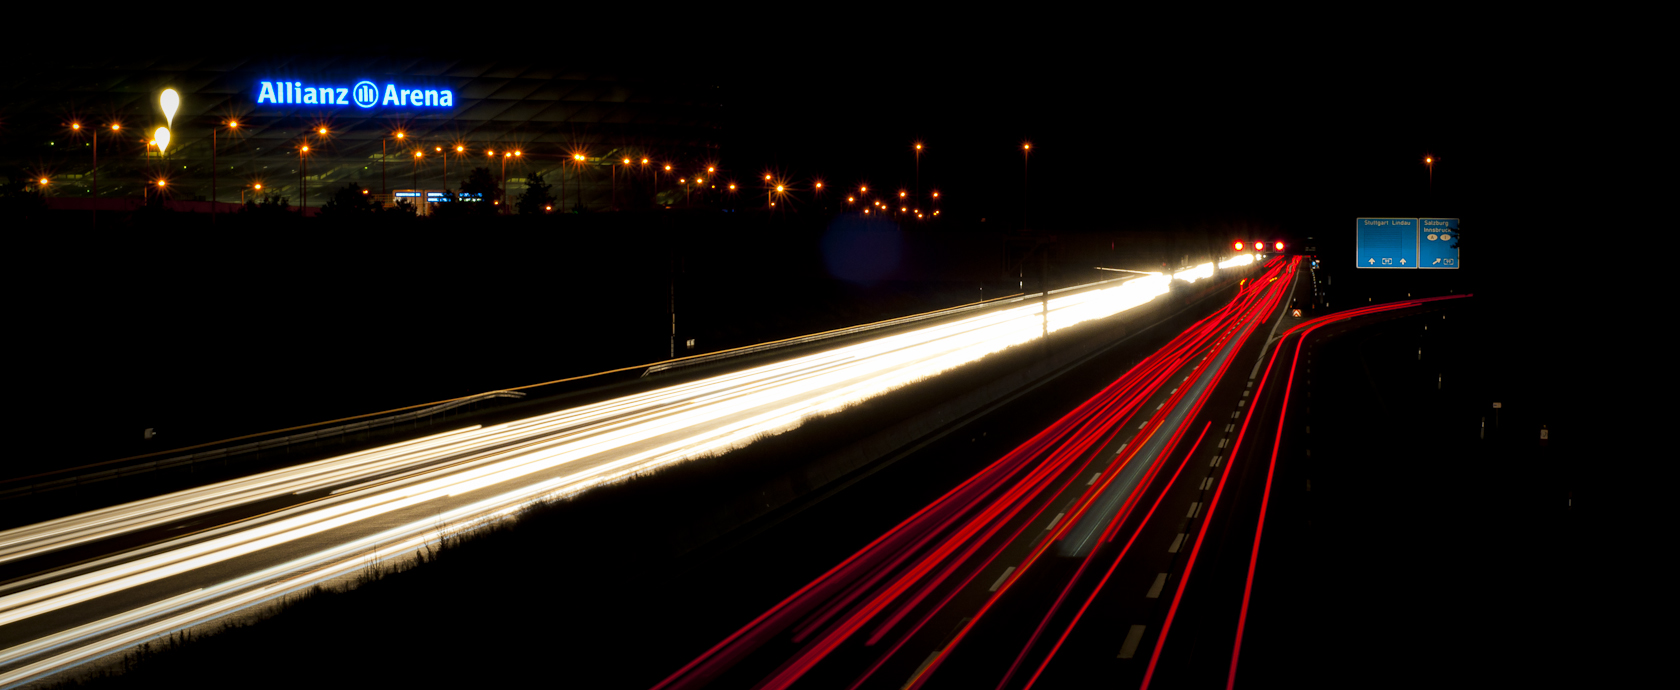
(1256, 245)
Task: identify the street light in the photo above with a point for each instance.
(257, 187)
(918, 170)
(578, 161)
(505, 156)
(382, 157)
(1026, 150)
(303, 182)
(1429, 162)
(77, 127)
(614, 174)
(145, 190)
(232, 124)
(415, 182)
(459, 150)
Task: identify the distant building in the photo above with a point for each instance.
(546, 111)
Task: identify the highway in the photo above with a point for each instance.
(1125, 544)
(88, 585)
(985, 586)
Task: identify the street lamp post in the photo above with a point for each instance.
(918, 171)
(382, 158)
(655, 175)
(77, 126)
(414, 181)
(1026, 150)
(578, 160)
(1429, 162)
(505, 156)
(303, 182)
(232, 124)
(459, 149)
(115, 127)
(615, 183)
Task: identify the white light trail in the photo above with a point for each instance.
(1235, 261)
(519, 462)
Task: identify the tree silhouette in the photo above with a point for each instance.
(482, 184)
(536, 198)
(350, 202)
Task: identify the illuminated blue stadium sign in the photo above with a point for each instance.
(364, 94)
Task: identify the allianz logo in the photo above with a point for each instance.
(364, 94)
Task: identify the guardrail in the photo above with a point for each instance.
(51, 481)
(816, 337)
(854, 330)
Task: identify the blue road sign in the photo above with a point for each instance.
(1387, 243)
(1436, 237)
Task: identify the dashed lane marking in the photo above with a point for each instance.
(1133, 638)
(1177, 542)
(1129, 647)
(1001, 578)
(1155, 589)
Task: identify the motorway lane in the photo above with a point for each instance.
(540, 457)
(940, 621)
(1165, 526)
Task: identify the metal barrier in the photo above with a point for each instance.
(49, 482)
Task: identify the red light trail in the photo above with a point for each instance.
(938, 552)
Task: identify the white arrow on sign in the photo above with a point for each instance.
(1437, 261)
(1402, 262)
(1371, 261)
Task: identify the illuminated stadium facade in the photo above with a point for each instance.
(253, 115)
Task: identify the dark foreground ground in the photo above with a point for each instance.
(1405, 545)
